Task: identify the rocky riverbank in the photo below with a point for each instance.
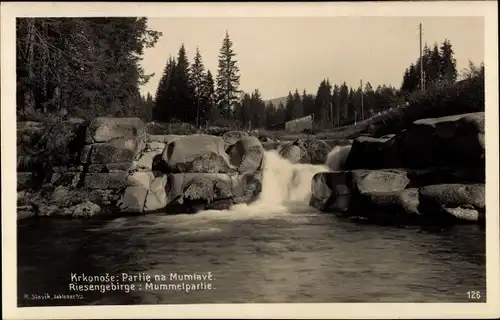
(431, 172)
(116, 167)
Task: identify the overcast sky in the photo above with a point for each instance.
(277, 55)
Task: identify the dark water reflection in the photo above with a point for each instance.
(300, 257)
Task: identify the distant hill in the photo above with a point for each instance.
(276, 101)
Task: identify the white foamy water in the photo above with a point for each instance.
(286, 187)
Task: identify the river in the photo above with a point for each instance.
(276, 250)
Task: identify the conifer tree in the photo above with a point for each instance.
(289, 107)
(322, 102)
(448, 68)
(228, 78)
(163, 109)
(184, 105)
(257, 111)
(197, 77)
(207, 107)
(245, 113)
(433, 69)
(344, 99)
(336, 105)
(307, 103)
(297, 110)
(270, 115)
(281, 113)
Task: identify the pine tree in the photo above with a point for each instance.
(448, 67)
(322, 102)
(426, 57)
(344, 99)
(270, 115)
(228, 78)
(185, 109)
(258, 118)
(369, 99)
(246, 110)
(197, 78)
(307, 103)
(433, 69)
(289, 107)
(281, 113)
(207, 107)
(336, 105)
(163, 110)
(297, 110)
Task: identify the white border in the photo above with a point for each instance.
(310, 310)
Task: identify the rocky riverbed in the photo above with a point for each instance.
(432, 172)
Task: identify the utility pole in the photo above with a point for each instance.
(362, 107)
(422, 80)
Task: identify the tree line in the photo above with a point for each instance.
(87, 67)
(188, 93)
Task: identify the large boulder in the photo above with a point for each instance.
(196, 153)
(247, 155)
(455, 202)
(316, 151)
(331, 191)
(292, 153)
(191, 192)
(116, 150)
(373, 153)
(195, 191)
(448, 141)
(337, 191)
(103, 129)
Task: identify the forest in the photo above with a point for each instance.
(88, 67)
